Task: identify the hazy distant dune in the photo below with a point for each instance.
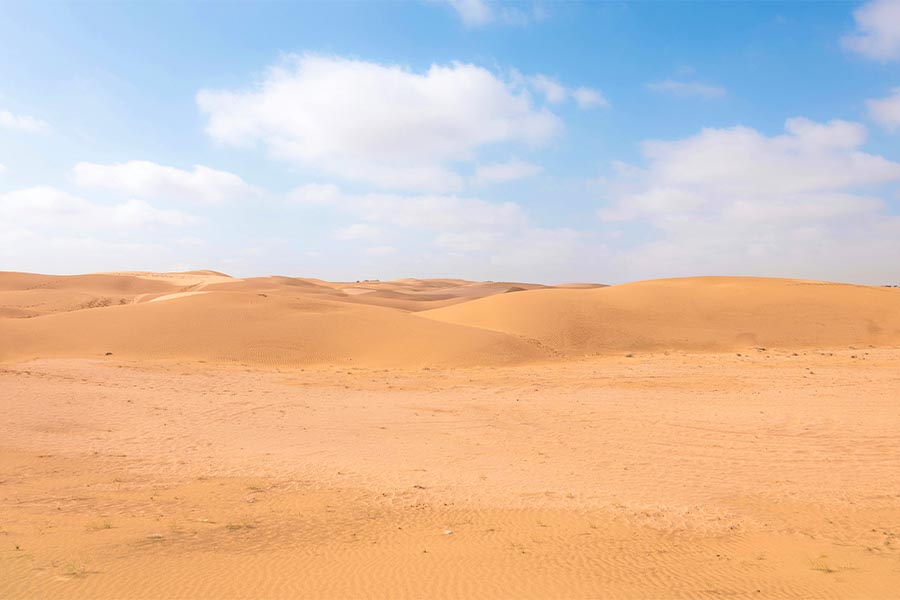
(205, 315)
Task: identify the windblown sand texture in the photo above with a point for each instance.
(186, 435)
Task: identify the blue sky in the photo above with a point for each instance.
(530, 141)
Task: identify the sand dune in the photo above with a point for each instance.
(256, 328)
(194, 435)
(293, 321)
(266, 320)
(702, 313)
(31, 295)
(176, 295)
(184, 278)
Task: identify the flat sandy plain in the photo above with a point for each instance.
(192, 435)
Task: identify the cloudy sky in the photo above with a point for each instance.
(539, 141)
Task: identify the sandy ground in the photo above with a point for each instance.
(766, 475)
(752, 472)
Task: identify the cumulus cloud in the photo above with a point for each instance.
(48, 207)
(886, 111)
(877, 34)
(145, 179)
(419, 211)
(67, 252)
(688, 89)
(433, 212)
(22, 123)
(386, 125)
(507, 171)
(735, 200)
(454, 234)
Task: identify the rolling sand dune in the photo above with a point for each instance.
(193, 435)
(28, 295)
(292, 322)
(259, 329)
(704, 313)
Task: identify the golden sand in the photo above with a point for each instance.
(281, 438)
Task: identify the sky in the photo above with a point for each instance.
(520, 141)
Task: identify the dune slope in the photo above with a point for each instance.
(292, 321)
(257, 328)
(700, 313)
(25, 295)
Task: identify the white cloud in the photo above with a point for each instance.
(146, 179)
(473, 12)
(382, 124)
(432, 212)
(357, 231)
(46, 229)
(477, 13)
(555, 93)
(522, 254)
(65, 252)
(877, 33)
(468, 235)
(507, 171)
(22, 123)
(315, 194)
(589, 98)
(468, 241)
(809, 157)
(805, 203)
(2, 168)
(552, 90)
(886, 111)
(553, 251)
(48, 207)
(687, 89)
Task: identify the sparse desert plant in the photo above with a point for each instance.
(822, 564)
(99, 525)
(75, 569)
(238, 525)
(97, 303)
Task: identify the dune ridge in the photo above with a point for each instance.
(698, 313)
(285, 321)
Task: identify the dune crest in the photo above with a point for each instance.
(285, 321)
(697, 313)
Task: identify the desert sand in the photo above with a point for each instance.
(194, 435)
